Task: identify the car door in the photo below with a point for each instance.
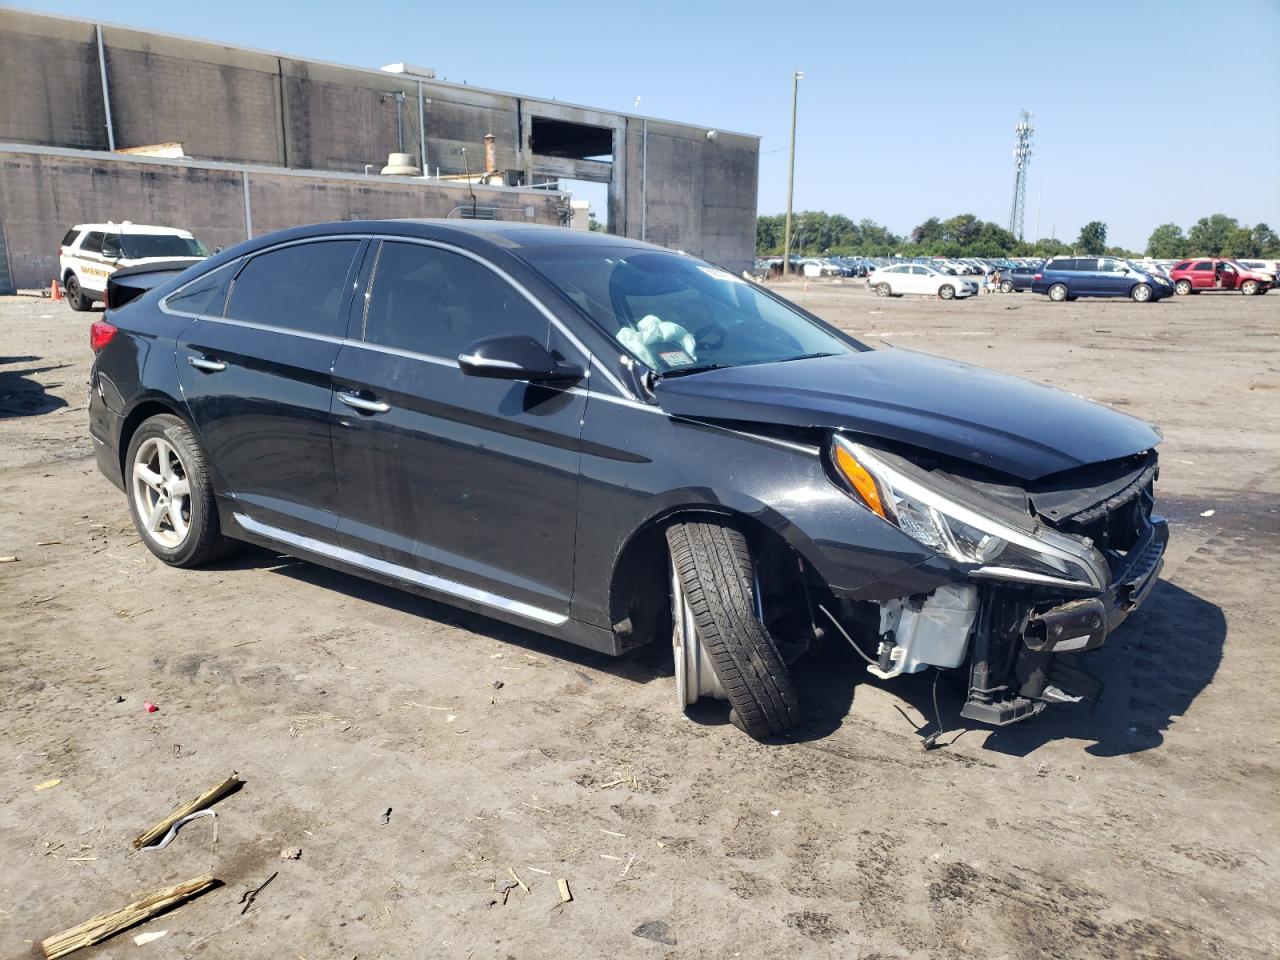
(1202, 275)
(1112, 278)
(921, 280)
(1084, 280)
(90, 265)
(469, 482)
(256, 380)
(1229, 279)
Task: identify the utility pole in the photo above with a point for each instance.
(796, 77)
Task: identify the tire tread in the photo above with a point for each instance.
(714, 565)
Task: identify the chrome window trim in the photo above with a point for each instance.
(164, 301)
(407, 574)
(524, 292)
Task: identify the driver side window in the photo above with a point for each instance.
(431, 301)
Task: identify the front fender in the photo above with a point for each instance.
(639, 469)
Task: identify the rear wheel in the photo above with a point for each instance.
(1058, 293)
(947, 292)
(1141, 293)
(1249, 287)
(76, 299)
(722, 648)
(882, 290)
(170, 496)
(1182, 287)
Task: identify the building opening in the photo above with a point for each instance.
(570, 141)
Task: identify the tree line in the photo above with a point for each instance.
(817, 233)
(1213, 236)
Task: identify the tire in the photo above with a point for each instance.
(946, 292)
(1006, 286)
(1141, 293)
(76, 299)
(1182, 287)
(713, 566)
(1249, 288)
(883, 290)
(1057, 293)
(173, 459)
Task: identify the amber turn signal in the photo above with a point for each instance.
(863, 482)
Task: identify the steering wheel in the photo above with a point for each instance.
(710, 337)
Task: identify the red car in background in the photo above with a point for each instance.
(1213, 273)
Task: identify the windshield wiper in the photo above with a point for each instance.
(696, 368)
(806, 356)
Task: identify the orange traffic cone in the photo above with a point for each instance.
(55, 291)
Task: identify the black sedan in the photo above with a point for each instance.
(616, 445)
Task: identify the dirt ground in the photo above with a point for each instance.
(1147, 828)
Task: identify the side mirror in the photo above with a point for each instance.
(516, 356)
(111, 251)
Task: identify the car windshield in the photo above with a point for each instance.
(675, 313)
(138, 246)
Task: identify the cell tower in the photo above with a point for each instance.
(1021, 157)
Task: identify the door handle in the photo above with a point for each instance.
(208, 366)
(363, 405)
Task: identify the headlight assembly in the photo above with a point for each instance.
(956, 531)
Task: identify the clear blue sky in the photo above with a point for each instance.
(1145, 112)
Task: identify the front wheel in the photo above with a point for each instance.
(1006, 286)
(76, 299)
(1057, 293)
(1141, 293)
(170, 496)
(882, 290)
(1249, 287)
(947, 292)
(722, 647)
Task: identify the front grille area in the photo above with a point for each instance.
(1118, 522)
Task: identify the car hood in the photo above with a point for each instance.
(992, 419)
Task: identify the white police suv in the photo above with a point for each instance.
(91, 252)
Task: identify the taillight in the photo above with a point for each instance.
(1036, 277)
(100, 334)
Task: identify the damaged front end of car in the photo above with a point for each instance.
(1044, 569)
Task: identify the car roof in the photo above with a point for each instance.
(127, 227)
(472, 234)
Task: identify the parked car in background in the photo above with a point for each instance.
(1066, 278)
(1215, 273)
(920, 278)
(408, 401)
(91, 252)
(1016, 279)
(1262, 266)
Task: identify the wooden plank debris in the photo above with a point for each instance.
(106, 925)
(206, 799)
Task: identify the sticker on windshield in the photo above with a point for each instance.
(675, 358)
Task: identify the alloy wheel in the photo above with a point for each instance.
(162, 492)
(695, 677)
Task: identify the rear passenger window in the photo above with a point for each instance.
(1183, 265)
(298, 287)
(206, 296)
(435, 302)
(92, 243)
(70, 237)
(1203, 265)
(1087, 265)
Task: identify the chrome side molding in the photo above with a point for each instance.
(407, 574)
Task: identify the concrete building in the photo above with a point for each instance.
(108, 123)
